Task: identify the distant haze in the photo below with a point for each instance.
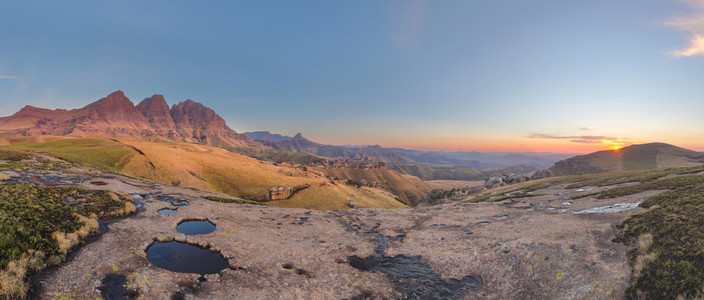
(523, 76)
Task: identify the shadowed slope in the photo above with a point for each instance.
(635, 157)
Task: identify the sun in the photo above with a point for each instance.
(616, 148)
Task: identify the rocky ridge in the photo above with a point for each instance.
(116, 116)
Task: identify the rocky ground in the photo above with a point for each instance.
(523, 248)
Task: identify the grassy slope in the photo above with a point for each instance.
(329, 198)
(104, 154)
(408, 189)
(450, 184)
(197, 166)
(631, 158)
(666, 243)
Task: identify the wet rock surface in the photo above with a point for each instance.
(114, 286)
(280, 253)
(414, 277)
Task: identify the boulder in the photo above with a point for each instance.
(280, 192)
(541, 174)
(352, 204)
(514, 179)
(493, 182)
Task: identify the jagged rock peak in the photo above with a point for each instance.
(157, 112)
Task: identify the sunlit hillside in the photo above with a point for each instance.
(204, 167)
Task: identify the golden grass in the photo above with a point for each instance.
(241, 176)
(336, 196)
(129, 208)
(66, 241)
(409, 189)
(221, 170)
(644, 242)
(13, 279)
(4, 177)
(644, 257)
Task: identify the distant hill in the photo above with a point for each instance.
(116, 116)
(635, 157)
(267, 136)
(457, 172)
(485, 160)
(427, 165)
(301, 144)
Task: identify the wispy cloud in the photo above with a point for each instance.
(7, 77)
(586, 141)
(582, 139)
(2, 111)
(575, 137)
(587, 128)
(409, 22)
(693, 25)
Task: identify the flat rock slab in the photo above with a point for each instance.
(524, 251)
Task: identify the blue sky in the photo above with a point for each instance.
(554, 75)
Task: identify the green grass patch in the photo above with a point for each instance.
(30, 214)
(106, 155)
(7, 153)
(672, 183)
(40, 164)
(612, 178)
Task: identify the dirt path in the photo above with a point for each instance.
(523, 248)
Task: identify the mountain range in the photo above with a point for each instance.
(473, 159)
(116, 116)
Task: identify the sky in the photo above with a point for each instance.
(553, 76)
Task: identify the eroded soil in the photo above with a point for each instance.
(525, 248)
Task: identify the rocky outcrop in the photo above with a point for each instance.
(541, 174)
(514, 178)
(507, 179)
(283, 192)
(280, 193)
(493, 182)
(197, 123)
(157, 113)
(352, 204)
